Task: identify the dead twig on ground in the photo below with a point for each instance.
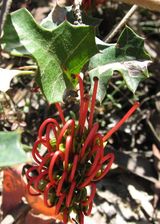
(149, 4)
(15, 215)
(5, 6)
(121, 24)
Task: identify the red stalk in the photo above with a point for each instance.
(81, 217)
(68, 147)
(52, 163)
(44, 160)
(49, 128)
(89, 139)
(58, 106)
(29, 186)
(35, 153)
(98, 137)
(91, 197)
(60, 183)
(95, 148)
(58, 205)
(98, 152)
(74, 167)
(46, 192)
(70, 194)
(65, 216)
(93, 102)
(119, 124)
(109, 156)
(30, 170)
(83, 105)
(88, 212)
(86, 4)
(69, 123)
(38, 179)
(83, 114)
(90, 178)
(43, 126)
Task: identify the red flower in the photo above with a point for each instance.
(70, 157)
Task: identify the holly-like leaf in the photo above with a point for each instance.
(11, 150)
(127, 57)
(59, 53)
(55, 17)
(59, 14)
(10, 41)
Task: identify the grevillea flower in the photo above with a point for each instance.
(69, 157)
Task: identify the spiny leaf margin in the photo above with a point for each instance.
(127, 56)
(59, 53)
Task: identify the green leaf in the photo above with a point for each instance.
(59, 53)
(10, 41)
(55, 17)
(11, 151)
(102, 45)
(127, 57)
(59, 14)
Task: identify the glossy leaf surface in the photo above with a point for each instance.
(127, 57)
(59, 53)
(11, 150)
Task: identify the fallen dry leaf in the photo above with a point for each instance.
(6, 75)
(14, 188)
(156, 154)
(142, 198)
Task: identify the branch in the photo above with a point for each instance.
(121, 24)
(149, 4)
(5, 6)
(15, 215)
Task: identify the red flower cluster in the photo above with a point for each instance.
(70, 157)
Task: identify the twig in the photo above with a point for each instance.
(121, 24)
(16, 214)
(148, 4)
(3, 13)
(153, 133)
(28, 67)
(77, 11)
